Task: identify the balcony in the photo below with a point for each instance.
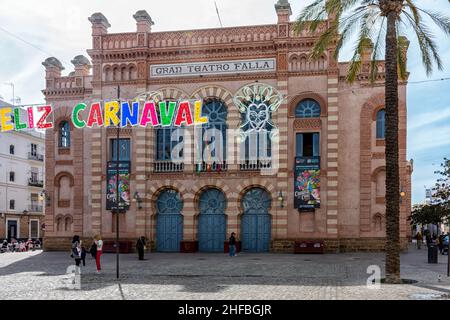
(35, 156)
(35, 208)
(168, 166)
(212, 167)
(254, 165)
(35, 182)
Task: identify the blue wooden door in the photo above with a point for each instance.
(256, 221)
(212, 223)
(169, 222)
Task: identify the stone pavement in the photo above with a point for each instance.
(42, 275)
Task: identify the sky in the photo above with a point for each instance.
(31, 31)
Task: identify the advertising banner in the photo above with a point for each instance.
(307, 183)
(124, 185)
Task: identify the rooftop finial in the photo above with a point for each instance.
(52, 62)
(283, 5)
(143, 16)
(99, 18)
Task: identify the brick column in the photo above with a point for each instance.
(332, 141)
(140, 178)
(96, 173)
(280, 220)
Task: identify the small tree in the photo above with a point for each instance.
(430, 214)
(439, 210)
(442, 186)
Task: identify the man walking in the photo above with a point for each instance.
(140, 246)
(232, 245)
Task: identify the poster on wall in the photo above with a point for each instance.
(307, 183)
(124, 185)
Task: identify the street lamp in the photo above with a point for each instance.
(117, 191)
(137, 197)
(281, 199)
(402, 194)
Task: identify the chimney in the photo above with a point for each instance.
(100, 24)
(82, 66)
(53, 68)
(283, 9)
(367, 50)
(143, 21)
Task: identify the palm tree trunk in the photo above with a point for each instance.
(392, 159)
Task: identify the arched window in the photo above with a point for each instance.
(214, 134)
(64, 134)
(59, 223)
(307, 108)
(381, 128)
(67, 224)
(167, 138)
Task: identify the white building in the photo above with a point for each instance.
(21, 182)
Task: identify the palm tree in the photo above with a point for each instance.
(374, 19)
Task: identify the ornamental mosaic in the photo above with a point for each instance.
(257, 102)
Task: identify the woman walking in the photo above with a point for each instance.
(99, 243)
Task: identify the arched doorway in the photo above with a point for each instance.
(212, 222)
(256, 221)
(169, 221)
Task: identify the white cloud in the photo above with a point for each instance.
(427, 118)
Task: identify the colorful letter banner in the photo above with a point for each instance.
(124, 185)
(307, 183)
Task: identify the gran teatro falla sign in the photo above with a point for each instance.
(212, 68)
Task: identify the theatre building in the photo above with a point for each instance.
(321, 177)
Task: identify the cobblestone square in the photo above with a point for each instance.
(42, 275)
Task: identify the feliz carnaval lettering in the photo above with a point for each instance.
(163, 113)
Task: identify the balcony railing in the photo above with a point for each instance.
(168, 166)
(254, 165)
(35, 182)
(212, 167)
(35, 208)
(35, 156)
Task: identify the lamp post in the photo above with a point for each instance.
(281, 199)
(117, 191)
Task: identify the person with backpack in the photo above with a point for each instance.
(76, 250)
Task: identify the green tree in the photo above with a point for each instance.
(442, 186)
(383, 23)
(430, 214)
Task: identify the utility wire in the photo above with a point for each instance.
(29, 43)
(218, 15)
(289, 96)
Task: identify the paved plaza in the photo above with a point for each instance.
(42, 275)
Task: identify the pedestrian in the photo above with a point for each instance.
(232, 245)
(83, 253)
(439, 242)
(428, 239)
(141, 247)
(93, 250)
(419, 239)
(76, 250)
(99, 243)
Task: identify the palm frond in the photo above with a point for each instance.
(442, 21)
(377, 52)
(426, 44)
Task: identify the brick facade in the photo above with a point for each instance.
(350, 216)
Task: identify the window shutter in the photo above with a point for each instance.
(316, 144)
(299, 144)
